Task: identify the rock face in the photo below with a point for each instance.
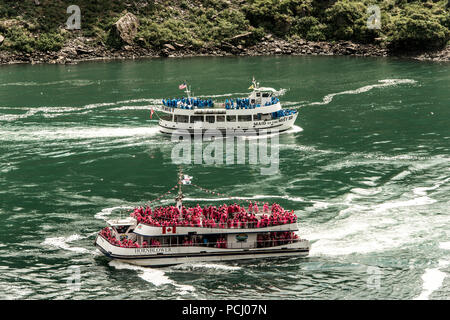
(2, 38)
(125, 29)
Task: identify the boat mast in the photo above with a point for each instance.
(179, 198)
(188, 91)
(254, 83)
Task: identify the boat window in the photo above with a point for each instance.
(181, 118)
(258, 94)
(210, 119)
(231, 118)
(257, 116)
(121, 229)
(166, 116)
(245, 118)
(196, 119)
(265, 95)
(220, 118)
(252, 101)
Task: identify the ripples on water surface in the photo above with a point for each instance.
(366, 169)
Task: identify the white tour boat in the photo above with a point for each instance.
(176, 234)
(259, 112)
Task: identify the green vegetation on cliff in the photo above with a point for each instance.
(31, 25)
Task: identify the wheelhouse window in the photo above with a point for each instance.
(220, 118)
(181, 118)
(121, 229)
(210, 119)
(265, 95)
(245, 118)
(231, 118)
(196, 119)
(166, 116)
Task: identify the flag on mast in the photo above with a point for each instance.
(151, 113)
(182, 86)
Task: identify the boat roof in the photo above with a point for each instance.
(129, 221)
(266, 89)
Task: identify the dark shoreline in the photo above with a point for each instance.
(80, 50)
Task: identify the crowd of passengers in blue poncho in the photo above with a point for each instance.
(188, 103)
(245, 103)
(283, 113)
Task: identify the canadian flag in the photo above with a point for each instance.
(169, 229)
(151, 113)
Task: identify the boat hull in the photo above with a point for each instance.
(179, 255)
(244, 129)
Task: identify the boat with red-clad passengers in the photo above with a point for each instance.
(177, 234)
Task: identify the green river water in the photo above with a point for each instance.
(366, 169)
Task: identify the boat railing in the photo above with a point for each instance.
(242, 245)
(219, 245)
(218, 225)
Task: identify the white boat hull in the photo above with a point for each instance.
(244, 128)
(163, 256)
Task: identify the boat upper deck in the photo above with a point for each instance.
(211, 216)
(237, 103)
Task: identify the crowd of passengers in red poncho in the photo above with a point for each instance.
(127, 243)
(225, 216)
(275, 239)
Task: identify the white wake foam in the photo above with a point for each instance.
(432, 280)
(422, 191)
(155, 276)
(255, 197)
(102, 215)
(76, 133)
(213, 266)
(362, 228)
(63, 243)
(53, 112)
(382, 84)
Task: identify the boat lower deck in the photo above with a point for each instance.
(161, 256)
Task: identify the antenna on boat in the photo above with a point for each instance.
(179, 198)
(255, 85)
(188, 91)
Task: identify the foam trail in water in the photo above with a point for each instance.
(144, 108)
(62, 242)
(422, 191)
(53, 112)
(370, 228)
(58, 134)
(207, 266)
(432, 280)
(224, 95)
(295, 199)
(154, 276)
(102, 215)
(382, 83)
(78, 83)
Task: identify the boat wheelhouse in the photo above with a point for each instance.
(178, 234)
(259, 112)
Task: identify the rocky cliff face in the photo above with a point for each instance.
(125, 29)
(123, 38)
